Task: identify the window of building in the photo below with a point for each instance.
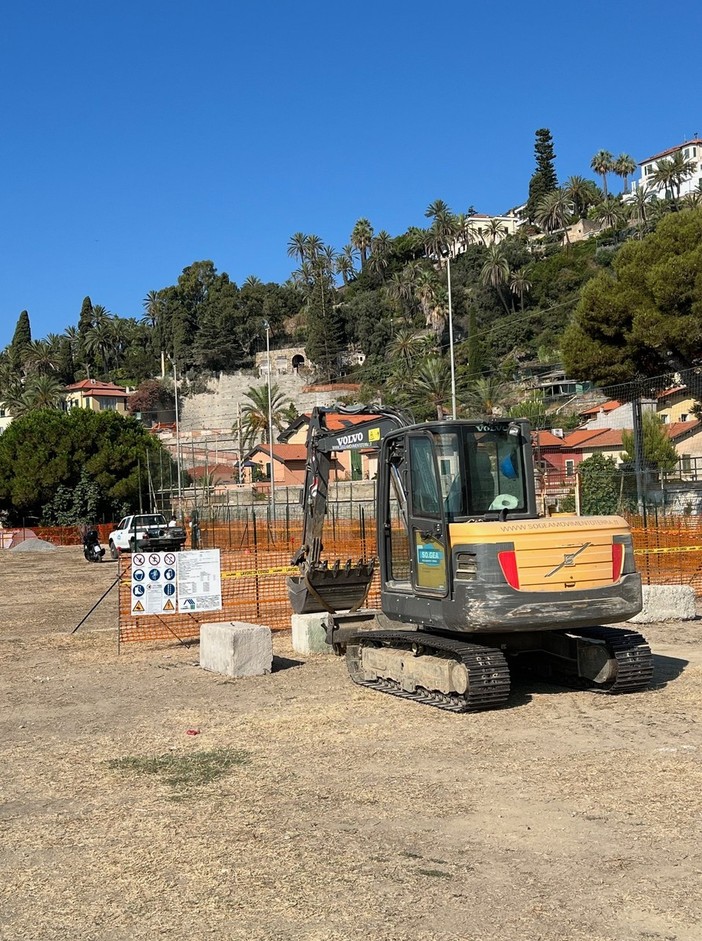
(686, 461)
(570, 468)
(664, 418)
(684, 416)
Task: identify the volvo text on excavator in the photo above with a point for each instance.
(473, 581)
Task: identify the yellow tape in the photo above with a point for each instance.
(669, 549)
(252, 573)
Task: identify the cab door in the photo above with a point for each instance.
(427, 523)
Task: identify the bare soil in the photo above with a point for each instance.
(321, 811)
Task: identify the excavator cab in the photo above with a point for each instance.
(437, 475)
(429, 476)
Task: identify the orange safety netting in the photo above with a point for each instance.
(253, 590)
(255, 561)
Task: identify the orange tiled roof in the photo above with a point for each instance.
(577, 439)
(671, 150)
(604, 407)
(677, 428)
(283, 452)
(95, 387)
(546, 439)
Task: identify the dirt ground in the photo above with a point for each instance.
(340, 814)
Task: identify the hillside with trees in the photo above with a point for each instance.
(613, 307)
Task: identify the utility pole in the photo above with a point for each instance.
(270, 416)
(639, 457)
(450, 319)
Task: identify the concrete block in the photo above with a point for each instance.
(309, 633)
(666, 603)
(236, 648)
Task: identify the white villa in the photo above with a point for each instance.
(691, 150)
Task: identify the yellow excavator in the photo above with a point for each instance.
(473, 581)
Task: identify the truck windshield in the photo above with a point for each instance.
(481, 470)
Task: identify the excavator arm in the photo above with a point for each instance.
(321, 586)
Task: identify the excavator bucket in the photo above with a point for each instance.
(337, 587)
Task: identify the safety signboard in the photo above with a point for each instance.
(154, 581)
(199, 581)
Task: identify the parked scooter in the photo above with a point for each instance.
(92, 550)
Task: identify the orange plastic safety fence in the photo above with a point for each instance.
(253, 590)
(670, 552)
(254, 571)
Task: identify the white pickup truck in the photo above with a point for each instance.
(146, 531)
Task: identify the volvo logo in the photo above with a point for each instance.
(346, 440)
(568, 560)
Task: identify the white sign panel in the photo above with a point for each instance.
(154, 583)
(199, 581)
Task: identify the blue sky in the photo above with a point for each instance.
(142, 136)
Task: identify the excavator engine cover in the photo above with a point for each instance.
(335, 587)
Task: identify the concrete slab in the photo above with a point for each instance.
(666, 603)
(235, 648)
(309, 633)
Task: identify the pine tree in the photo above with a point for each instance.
(544, 179)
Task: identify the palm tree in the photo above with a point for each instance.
(252, 282)
(554, 211)
(315, 247)
(486, 397)
(152, 305)
(297, 246)
(583, 192)
(624, 166)
(100, 342)
(361, 238)
(495, 271)
(401, 288)
(40, 358)
(519, 284)
(405, 347)
(603, 163)
(494, 230)
(610, 213)
(466, 233)
(44, 392)
(437, 208)
(426, 291)
(431, 387)
(380, 251)
(640, 200)
(255, 413)
(671, 173)
(344, 267)
(440, 238)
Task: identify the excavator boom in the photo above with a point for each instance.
(341, 586)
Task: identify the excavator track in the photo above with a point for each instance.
(487, 670)
(632, 654)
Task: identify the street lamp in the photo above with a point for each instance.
(450, 318)
(177, 424)
(270, 417)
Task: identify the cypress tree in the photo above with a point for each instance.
(85, 321)
(544, 179)
(21, 339)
